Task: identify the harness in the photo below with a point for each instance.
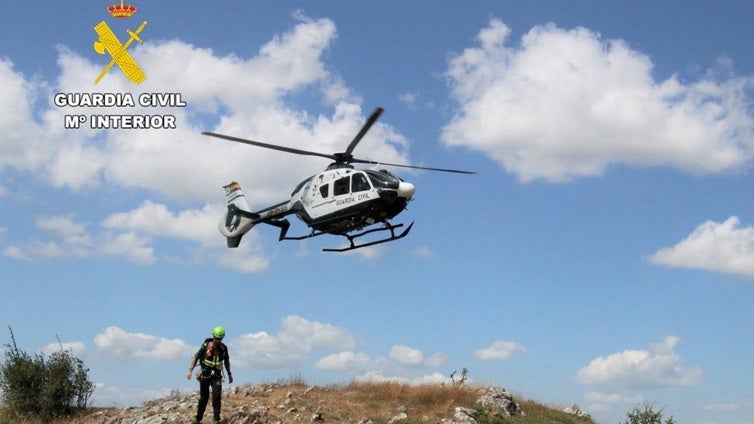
(212, 357)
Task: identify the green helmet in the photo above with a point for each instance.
(218, 332)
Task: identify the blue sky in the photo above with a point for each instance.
(602, 255)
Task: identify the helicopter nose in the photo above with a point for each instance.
(406, 190)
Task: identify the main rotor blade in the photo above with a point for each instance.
(371, 162)
(269, 146)
(368, 124)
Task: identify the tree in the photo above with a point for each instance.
(646, 415)
(43, 387)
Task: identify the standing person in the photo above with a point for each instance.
(211, 356)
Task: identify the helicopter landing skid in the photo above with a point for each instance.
(388, 227)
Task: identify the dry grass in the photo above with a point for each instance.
(358, 400)
(295, 401)
(429, 403)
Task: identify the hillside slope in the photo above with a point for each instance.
(352, 403)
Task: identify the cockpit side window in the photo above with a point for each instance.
(359, 183)
(324, 190)
(341, 186)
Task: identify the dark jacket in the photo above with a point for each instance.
(212, 355)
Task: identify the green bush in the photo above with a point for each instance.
(646, 415)
(43, 387)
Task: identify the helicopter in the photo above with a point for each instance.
(341, 200)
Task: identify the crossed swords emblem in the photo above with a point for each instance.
(107, 41)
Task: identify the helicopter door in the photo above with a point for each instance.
(359, 183)
(341, 186)
(342, 192)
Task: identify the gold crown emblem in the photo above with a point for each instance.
(121, 11)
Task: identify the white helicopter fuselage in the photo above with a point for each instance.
(336, 201)
(332, 193)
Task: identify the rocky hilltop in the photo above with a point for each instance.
(356, 403)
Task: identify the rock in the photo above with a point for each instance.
(462, 416)
(498, 400)
(575, 410)
(287, 402)
(162, 419)
(317, 416)
(400, 417)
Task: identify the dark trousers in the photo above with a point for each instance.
(217, 389)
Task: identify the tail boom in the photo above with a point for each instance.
(237, 219)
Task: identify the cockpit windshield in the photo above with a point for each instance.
(382, 179)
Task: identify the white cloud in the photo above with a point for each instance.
(292, 345)
(402, 359)
(71, 239)
(345, 361)
(405, 355)
(155, 219)
(118, 343)
(247, 258)
(77, 349)
(108, 396)
(424, 252)
(76, 166)
(132, 235)
(720, 407)
(611, 398)
(72, 233)
(22, 145)
(603, 403)
(378, 377)
(658, 366)
(198, 226)
(720, 247)
(566, 104)
(128, 245)
(437, 360)
(499, 350)
(409, 99)
(434, 378)
(15, 252)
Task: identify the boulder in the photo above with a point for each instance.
(498, 400)
(462, 416)
(402, 416)
(575, 410)
(317, 416)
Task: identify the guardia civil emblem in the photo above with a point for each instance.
(108, 42)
